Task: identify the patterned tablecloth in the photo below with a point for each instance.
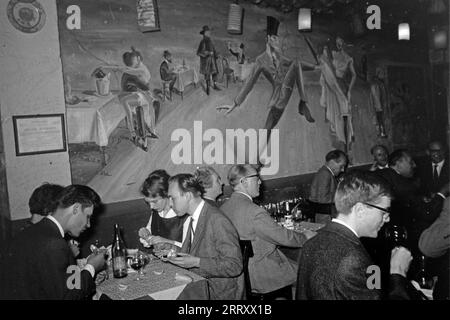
(185, 76)
(161, 281)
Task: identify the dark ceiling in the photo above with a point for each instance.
(392, 11)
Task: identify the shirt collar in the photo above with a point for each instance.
(196, 214)
(383, 167)
(439, 164)
(330, 170)
(251, 199)
(345, 225)
(60, 228)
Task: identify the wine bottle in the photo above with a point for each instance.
(425, 282)
(119, 255)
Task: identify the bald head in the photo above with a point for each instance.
(436, 151)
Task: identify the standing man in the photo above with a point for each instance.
(283, 74)
(40, 258)
(434, 172)
(166, 72)
(334, 265)
(324, 185)
(211, 246)
(208, 59)
(211, 182)
(380, 157)
(269, 269)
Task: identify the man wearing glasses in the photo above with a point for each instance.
(269, 269)
(334, 264)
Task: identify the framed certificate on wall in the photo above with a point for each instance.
(36, 134)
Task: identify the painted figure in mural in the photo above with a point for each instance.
(344, 69)
(165, 70)
(283, 73)
(379, 99)
(334, 100)
(208, 59)
(136, 97)
(237, 52)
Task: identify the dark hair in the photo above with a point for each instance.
(128, 56)
(188, 183)
(205, 176)
(335, 155)
(166, 53)
(397, 155)
(156, 184)
(375, 147)
(76, 193)
(359, 186)
(239, 171)
(43, 198)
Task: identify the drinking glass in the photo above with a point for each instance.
(138, 263)
(396, 235)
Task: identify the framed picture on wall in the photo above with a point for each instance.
(36, 134)
(147, 15)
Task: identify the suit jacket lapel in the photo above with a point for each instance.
(200, 228)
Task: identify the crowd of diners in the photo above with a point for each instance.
(334, 263)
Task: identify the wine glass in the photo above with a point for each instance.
(396, 235)
(137, 263)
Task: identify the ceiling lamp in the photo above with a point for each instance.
(304, 19)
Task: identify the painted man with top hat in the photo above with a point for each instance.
(208, 57)
(283, 73)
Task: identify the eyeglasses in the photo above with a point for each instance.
(385, 210)
(252, 175)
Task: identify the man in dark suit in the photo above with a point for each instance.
(269, 269)
(40, 259)
(434, 172)
(211, 182)
(434, 242)
(165, 71)
(324, 185)
(334, 264)
(211, 245)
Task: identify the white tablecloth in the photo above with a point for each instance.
(93, 121)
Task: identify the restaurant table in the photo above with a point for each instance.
(158, 283)
(94, 118)
(293, 253)
(185, 77)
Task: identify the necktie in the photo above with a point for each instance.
(189, 237)
(435, 173)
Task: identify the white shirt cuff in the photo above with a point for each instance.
(178, 244)
(440, 194)
(91, 269)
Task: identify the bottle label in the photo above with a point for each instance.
(119, 263)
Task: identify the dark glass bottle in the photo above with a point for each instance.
(425, 282)
(119, 255)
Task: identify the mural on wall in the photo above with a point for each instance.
(139, 101)
(408, 111)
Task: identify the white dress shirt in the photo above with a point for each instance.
(345, 225)
(438, 167)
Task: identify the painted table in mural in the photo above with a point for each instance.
(94, 118)
(241, 71)
(185, 77)
(162, 281)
